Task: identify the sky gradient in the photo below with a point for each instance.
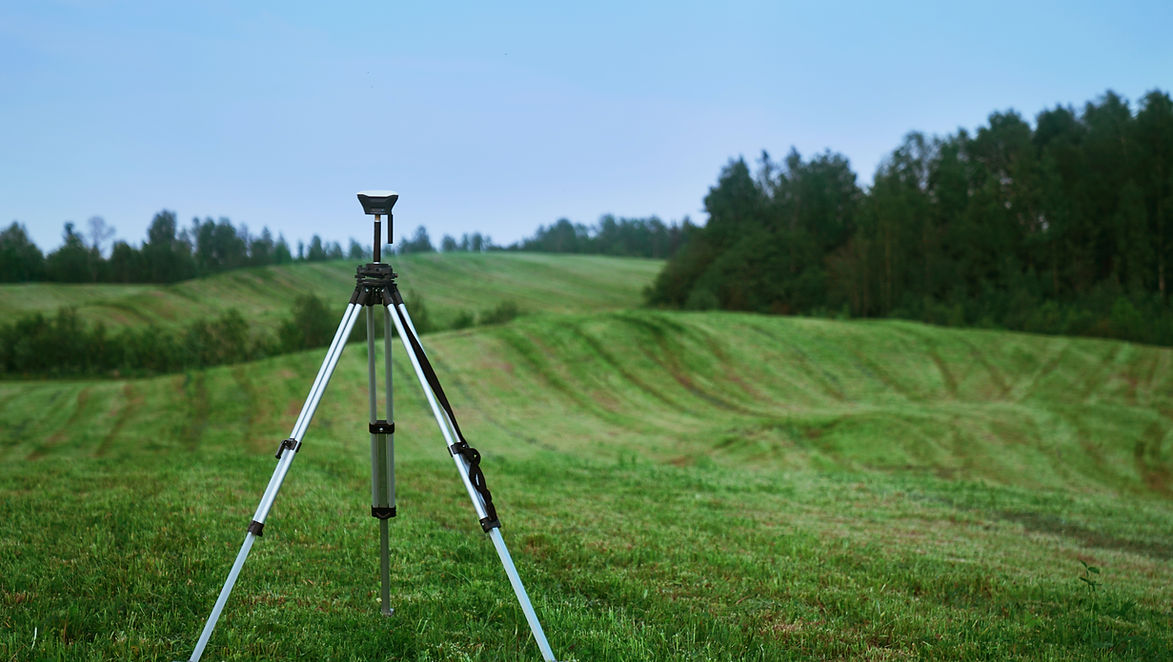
(499, 117)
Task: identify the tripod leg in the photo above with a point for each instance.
(285, 455)
(403, 325)
(388, 463)
(382, 481)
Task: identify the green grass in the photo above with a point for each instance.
(688, 486)
(449, 283)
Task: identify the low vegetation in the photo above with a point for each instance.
(66, 346)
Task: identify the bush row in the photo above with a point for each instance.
(64, 345)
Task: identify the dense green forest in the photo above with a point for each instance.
(1059, 227)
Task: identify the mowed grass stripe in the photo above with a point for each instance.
(123, 412)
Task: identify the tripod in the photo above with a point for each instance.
(376, 286)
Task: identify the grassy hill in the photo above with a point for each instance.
(449, 283)
(674, 486)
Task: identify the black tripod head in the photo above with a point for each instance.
(377, 203)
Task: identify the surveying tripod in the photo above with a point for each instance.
(376, 287)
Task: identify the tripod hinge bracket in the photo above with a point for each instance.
(383, 512)
(382, 427)
(255, 528)
(372, 281)
(291, 444)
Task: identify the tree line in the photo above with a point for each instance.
(1060, 227)
(625, 237)
(169, 254)
(172, 253)
(421, 242)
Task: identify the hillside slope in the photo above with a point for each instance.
(449, 283)
(786, 393)
(704, 486)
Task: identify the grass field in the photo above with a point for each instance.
(674, 486)
(449, 283)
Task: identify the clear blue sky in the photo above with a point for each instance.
(502, 116)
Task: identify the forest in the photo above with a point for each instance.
(1060, 227)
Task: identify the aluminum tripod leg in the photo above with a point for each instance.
(400, 318)
(388, 463)
(285, 460)
(382, 456)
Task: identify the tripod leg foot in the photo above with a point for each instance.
(384, 569)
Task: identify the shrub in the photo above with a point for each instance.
(310, 324)
(464, 319)
(502, 313)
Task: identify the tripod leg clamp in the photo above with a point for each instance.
(383, 512)
(291, 444)
(255, 528)
(382, 427)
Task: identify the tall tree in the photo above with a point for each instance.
(99, 233)
(260, 249)
(420, 242)
(167, 258)
(73, 261)
(281, 252)
(20, 259)
(316, 253)
(1109, 160)
(1154, 139)
(126, 264)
